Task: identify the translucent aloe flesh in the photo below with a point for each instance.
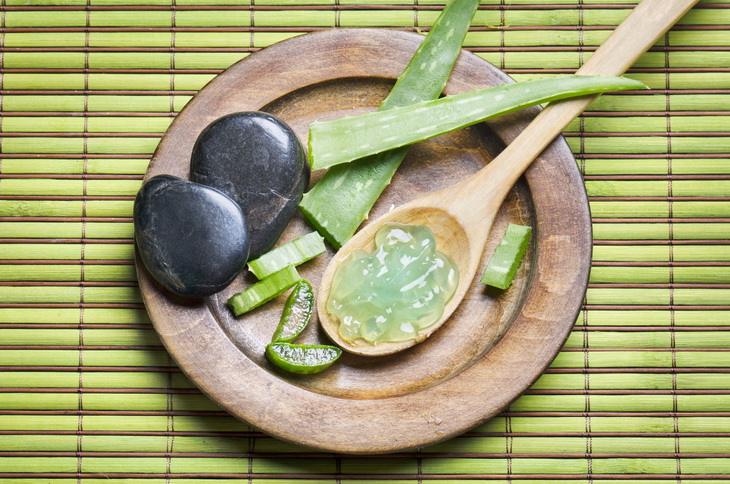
(342, 199)
(347, 139)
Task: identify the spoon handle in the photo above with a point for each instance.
(640, 30)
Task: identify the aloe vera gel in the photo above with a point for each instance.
(395, 292)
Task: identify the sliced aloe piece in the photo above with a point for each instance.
(297, 311)
(347, 139)
(303, 359)
(507, 257)
(293, 253)
(343, 197)
(263, 291)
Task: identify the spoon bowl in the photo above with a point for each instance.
(461, 216)
(451, 238)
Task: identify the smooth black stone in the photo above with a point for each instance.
(256, 159)
(192, 239)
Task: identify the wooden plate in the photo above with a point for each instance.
(488, 353)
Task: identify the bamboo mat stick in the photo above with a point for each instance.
(698, 381)
(619, 424)
(653, 144)
(121, 423)
(60, 294)
(699, 123)
(657, 102)
(680, 209)
(117, 166)
(73, 230)
(648, 296)
(605, 230)
(679, 188)
(662, 317)
(643, 359)
(97, 380)
(692, 253)
(659, 166)
(326, 18)
(70, 358)
(147, 124)
(111, 145)
(67, 251)
(69, 337)
(639, 340)
(661, 275)
(72, 316)
(97, 102)
(40, 208)
(51, 187)
(52, 272)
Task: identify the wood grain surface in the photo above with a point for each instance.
(492, 348)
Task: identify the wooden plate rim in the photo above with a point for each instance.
(451, 407)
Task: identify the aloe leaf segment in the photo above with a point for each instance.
(347, 139)
(342, 199)
(296, 252)
(263, 291)
(297, 312)
(507, 257)
(303, 359)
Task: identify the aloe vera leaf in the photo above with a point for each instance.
(507, 257)
(347, 139)
(296, 252)
(343, 197)
(263, 291)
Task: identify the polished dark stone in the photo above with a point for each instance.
(192, 239)
(256, 159)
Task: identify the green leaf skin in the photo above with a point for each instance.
(347, 139)
(342, 199)
(263, 291)
(507, 257)
(296, 252)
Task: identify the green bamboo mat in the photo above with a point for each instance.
(641, 390)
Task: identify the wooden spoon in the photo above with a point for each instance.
(461, 215)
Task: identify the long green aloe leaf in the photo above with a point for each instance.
(342, 199)
(347, 139)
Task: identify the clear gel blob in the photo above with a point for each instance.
(395, 292)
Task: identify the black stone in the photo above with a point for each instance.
(256, 159)
(192, 239)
